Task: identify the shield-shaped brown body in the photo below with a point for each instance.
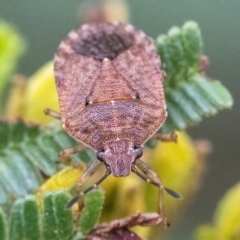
(110, 89)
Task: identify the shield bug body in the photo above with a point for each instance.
(111, 96)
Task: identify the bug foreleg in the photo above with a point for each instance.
(165, 137)
(151, 175)
(154, 177)
(95, 185)
(52, 113)
(88, 173)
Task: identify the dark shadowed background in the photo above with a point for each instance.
(45, 23)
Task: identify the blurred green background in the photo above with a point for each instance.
(44, 23)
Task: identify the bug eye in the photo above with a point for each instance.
(100, 156)
(139, 153)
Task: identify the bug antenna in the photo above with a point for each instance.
(76, 198)
(172, 193)
(72, 201)
(143, 177)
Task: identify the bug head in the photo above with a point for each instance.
(119, 156)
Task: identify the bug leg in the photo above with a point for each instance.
(52, 113)
(106, 174)
(165, 137)
(65, 155)
(89, 172)
(154, 179)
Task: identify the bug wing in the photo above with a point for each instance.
(75, 76)
(145, 76)
(144, 70)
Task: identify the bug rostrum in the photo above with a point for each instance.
(110, 87)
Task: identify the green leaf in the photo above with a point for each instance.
(79, 236)
(54, 222)
(214, 92)
(151, 143)
(3, 194)
(192, 44)
(186, 107)
(202, 104)
(57, 220)
(31, 218)
(93, 203)
(190, 95)
(26, 151)
(3, 227)
(16, 227)
(24, 222)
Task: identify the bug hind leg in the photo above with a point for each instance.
(52, 113)
(65, 155)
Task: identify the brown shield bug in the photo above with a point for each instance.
(110, 87)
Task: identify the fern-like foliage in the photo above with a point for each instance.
(28, 155)
(190, 94)
(27, 222)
